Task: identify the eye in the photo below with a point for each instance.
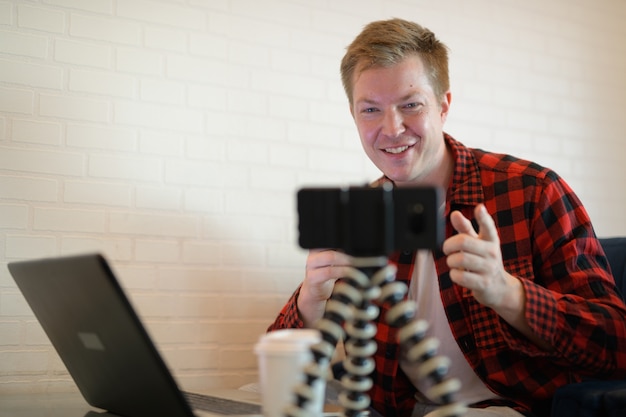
(369, 110)
(412, 105)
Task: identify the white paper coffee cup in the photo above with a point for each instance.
(282, 356)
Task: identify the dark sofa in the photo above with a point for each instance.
(598, 398)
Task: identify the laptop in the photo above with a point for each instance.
(98, 335)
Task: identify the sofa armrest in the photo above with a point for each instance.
(590, 399)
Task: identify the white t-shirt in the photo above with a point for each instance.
(424, 290)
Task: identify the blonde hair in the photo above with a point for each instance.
(387, 42)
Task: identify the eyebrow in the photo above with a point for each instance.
(403, 98)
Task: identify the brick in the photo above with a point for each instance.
(162, 13)
(264, 203)
(263, 178)
(29, 246)
(13, 304)
(334, 161)
(23, 44)
(170, 39)
(83, 53)
(103, 83)
(194, 252)
(194, 358)
(97, 6)
(13, 216)
(153, 251)
(207, 96)
(11, 333)
(308, 133)
(16, 101)
(286, 255)
(45, 162)
(289, 107)
(244, 227)
(197, 278)
(97, 193)
(6, 13)
(213, 46)
(124, 167)
(288, 84)
(34, 75)
(164, 92)
(238, 306)
(254, 56)
(153, 224)
(177, 332)
(330, 114)
(160, 198)
(39, 18)
(69, 220)
(526, 119)
(242, 358)
(254, 255)
(77, 108)
(284, 155)
(238, 332)
(29, 189)
(105, 29)
(247, 151)
(192, 173)
(208, 149)
(206, 71)
(100, 137)
(139, 61)
(22, 362)
(161, 143)
(176, 307)
(266, 32)
(117, 249)
(203, 200)
(32, 131)
(158, 116)
(256, 103)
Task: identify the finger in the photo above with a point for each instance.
(468, 261)
(462, 224)
(486, 225)
(321, 258)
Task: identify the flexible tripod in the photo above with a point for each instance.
(403, 218)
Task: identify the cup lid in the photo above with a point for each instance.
(288, 340)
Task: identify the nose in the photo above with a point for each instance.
(393, 123)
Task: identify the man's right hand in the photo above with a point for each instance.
(323, 268)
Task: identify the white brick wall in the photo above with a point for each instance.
(172, 136)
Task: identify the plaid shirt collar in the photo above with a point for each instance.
(466, 186)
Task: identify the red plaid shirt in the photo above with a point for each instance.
(547, 241)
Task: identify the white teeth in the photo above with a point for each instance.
(399, 149)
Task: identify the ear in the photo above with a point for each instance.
(444, 104)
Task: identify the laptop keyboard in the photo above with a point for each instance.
(220, 405)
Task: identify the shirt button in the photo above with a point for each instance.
(390, 352)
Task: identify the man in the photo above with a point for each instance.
(522, 304)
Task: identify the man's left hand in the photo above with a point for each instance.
(475, 259)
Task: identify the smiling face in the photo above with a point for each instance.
(400, 123)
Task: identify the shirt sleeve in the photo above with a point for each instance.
(288, 317)
(571, 301)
